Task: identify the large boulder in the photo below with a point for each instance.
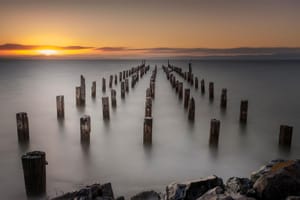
(147, 195)
(192, 190)
(278, 180)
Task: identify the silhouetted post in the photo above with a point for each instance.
(120, 76)
(60, 107)
(127, 85)
(78, 96)
(122, 89)
(191, 114)
(85, 128)
(116, 79)
(34, 169)
(111, 81)
(211, 91)
(152, 89)
(147, 130)
(94, 89)
(180, 90)
(113, 98)
(148, 107)
(196, 83)
(214, 132)
(103, 85)
(202, 86)
(105, 108)
(224, 98)
(285, 135)
(186, 97)
(22, 127)
(192, 79)
(82, 90)
(243, 111)
(124, 74)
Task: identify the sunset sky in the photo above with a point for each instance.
(120, 28)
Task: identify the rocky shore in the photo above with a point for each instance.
(278, 180)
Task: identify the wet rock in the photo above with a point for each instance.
(218, 193)
(192, 189)
(278, 180)
(240, 185)
(147, 195)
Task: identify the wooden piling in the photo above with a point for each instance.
(60, 107)
(148, 93)
(103, 85)
(85, 128)
(152, 89)
(148, 130)
(214, 132)
(34, 169)
(122, 89)
(202, 86)
(243, 111)
(223, 103)
(186, 97)
(120, 76)
(113, 98)
(82, 90)
(285, 136)
(180, 90)
(211, 91)
(22, 127)
(94, 89)
(127, 85)
(105, 108)
(111, 81)
(116, 79)
(191, 114)
(148, 107)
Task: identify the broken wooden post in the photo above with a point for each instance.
(113, 98)
(147, 131)
(60, 107)
(122, 89)
(211, 91)
(285, 136)
(224, 98)
(116, 79)
(191, 114)
(214, 132)
(202, 86)
(111, 81)
(180, 90)
(243, 111)
(103, 85)
(105, 108)
(148, 107)
(82, 90)
(196, 83)
(94, 89)
(85, 128)
(22, 127)
(127, 85)
(186, 97)
(34, 169)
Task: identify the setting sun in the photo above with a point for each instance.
(48, 52)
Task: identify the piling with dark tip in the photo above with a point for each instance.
(60, 106)
(147, 139)
(211, 91)
(202, 86)
(285, 136)
(123, 90)
(93, 89)
(34, 170)
(191, 113)
(103, 85)
(186, 97)
(223, 103)
(113, 98)
(214, 132)
(244, 111)
(22, 127)
(85, 128)
(105, 108)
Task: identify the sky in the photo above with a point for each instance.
(129, 28)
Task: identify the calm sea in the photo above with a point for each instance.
(180, 149)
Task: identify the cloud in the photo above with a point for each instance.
(110, 49)
(11, 47)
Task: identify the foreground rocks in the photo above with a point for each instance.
(278, 180)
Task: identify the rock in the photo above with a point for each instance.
(218, 193)
(240, 185)
(192, 189)
(147, 195)
(107, 191)
(293, 198)
(278, 180)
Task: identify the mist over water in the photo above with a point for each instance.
(116, 154)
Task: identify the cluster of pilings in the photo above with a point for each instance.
(148, 120)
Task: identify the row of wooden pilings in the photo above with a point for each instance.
(148, 120)
(34, 163)
(285, 133)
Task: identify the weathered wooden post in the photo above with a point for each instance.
(120, 76)
(116, 79)
(180, 90)
(196, 83)
(202, 86)
(105, 108)
(127, 85)
(103, 85)
(211, 91)
(148, 107)
(152, 89)
(186, 97)
(191, 114)
(214, 132)
(113, 98)
(177, 86)
(85, 128)
(122, 89)
(111, 81)
(22, 127)
(148, 131)
(60, 107)
(285, 136)
(224, 98)
(148, 92)
(82, 90)
(34, 169)
(192, 79)
(243, 111)
(93, 89)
